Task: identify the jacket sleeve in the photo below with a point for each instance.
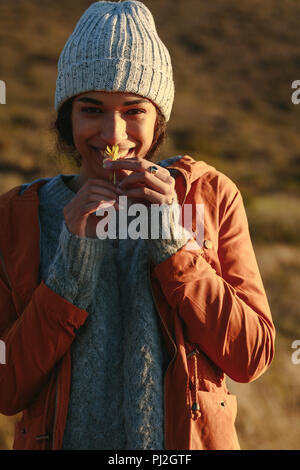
(37, 339)
(227, 315)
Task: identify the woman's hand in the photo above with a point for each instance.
(78, 214)
(156, 188)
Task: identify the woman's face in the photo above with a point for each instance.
(101, 119)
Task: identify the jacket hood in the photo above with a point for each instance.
(190, 169)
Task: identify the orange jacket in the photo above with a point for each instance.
(211, 302)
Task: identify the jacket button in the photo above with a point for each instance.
(207, 244)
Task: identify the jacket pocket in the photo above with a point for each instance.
(213, 428)
(30, 435)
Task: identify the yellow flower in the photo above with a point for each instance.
(113, 153)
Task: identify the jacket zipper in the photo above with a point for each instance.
(163, 322)
(149, 277)
(195, 405)
(195, 412)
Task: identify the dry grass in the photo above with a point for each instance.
(268, 409)
(7, 425)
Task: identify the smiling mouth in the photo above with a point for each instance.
(125, 153)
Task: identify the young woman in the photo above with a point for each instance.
(124, 342)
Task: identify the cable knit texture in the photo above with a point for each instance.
(118, 356)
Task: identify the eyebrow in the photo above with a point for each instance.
(86, 99)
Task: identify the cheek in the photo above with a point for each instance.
(147, 133)
(82, 130)
(76, 129)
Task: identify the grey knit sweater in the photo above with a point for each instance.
(118, 357)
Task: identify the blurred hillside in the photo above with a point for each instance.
(234, 63)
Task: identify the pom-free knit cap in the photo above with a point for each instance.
(115, 47)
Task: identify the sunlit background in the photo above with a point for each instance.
(234, 64)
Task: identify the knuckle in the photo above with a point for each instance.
(145, 190)
(89, 197)
(171, 181)
(141, 162)
(145, 176)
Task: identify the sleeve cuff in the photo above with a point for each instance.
(168, 236)
(73, 272)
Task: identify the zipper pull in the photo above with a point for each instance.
(196, 413)
(195, 406)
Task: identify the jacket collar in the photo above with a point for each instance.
(190, 170)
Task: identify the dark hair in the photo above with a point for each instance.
(65, 143)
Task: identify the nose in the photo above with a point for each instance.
(113, 129)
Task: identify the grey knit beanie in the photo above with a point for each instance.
(115, 47)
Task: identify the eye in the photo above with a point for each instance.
(134, 111)
(91, 110)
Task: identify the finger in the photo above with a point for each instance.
(120, 175)
(135, 164)
(106, 204)
(146, 179)
(96, 184)
(145, 192)
(98, 191)
(93, 206)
